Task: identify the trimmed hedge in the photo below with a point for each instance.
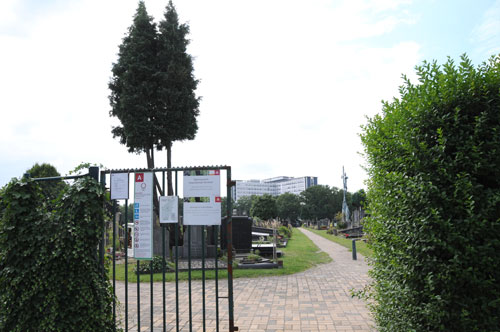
(434, 193)
(49, 277)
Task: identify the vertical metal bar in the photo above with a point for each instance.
(103, 225)
(126, 265)
(216, 241)
(354, 254)
(230, 252)
(163, 279)
(151, 293)
(203, 273)
(138, 298)
(163, 262)
(113, 223)
(177, 276)
(93, 172)
(176, 266)
(151, 277)
(189, 280)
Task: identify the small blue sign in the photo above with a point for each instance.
(136, 216)
(136, 205)
(136, 210)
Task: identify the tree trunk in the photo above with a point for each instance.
(170, 192)
(157, 231)
(151, 164)
(170, 189)
(149, 157)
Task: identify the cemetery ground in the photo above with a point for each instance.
(316, 299)
(299, 255)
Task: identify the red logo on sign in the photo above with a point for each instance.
(139, 177)
(217, 199)
(217, 172)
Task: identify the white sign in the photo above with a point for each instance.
(202, 201)
(169, 209)
(119, 185)
(206, 185)
(143, 216)
(202, 213)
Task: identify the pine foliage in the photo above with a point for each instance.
(153, 87)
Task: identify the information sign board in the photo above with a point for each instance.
(169, 209)
(205, 185)
(202, 213)
(202, 201)
(119, 185)
(143, 216)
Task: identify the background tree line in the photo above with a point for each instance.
(316, 202)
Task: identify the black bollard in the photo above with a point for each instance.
(354, 256)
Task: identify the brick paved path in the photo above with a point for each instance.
(315, 300)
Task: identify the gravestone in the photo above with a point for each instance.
(242, 233)
(196, 243)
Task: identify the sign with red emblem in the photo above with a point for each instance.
(143, 216)
(202, 201)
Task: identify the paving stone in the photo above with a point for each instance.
(318, 299)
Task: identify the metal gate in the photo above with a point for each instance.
(130, 318)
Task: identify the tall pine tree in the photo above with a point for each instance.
(153, 89)
(153, 86)
(134, 86)
(178, 104)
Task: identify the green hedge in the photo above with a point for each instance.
(49, 277)
(434, 192)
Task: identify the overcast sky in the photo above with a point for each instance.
(286, 84)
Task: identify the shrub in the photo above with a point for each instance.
(145, 266)
(332, 230)
(49, 276)
(434, 192)
(285, 231)
(341, 225)
(253, 257)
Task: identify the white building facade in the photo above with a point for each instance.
(273, 186)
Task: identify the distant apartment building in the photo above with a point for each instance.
(273, 186)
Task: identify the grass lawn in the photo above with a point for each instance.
(361, 247)
(299, 255)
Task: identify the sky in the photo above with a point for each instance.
(286, 85)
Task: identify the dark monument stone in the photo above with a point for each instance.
(242, 233)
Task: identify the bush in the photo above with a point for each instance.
(332, 230)
(50, 279)
(145, 266)
(341, 225)
(434, 192)
(253, 257)
(285, 231)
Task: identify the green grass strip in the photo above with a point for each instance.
(361, 247)
(299, 255)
